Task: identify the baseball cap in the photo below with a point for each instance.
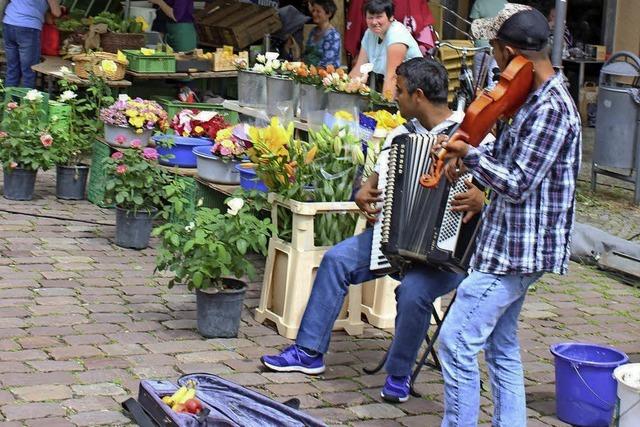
(518, 25)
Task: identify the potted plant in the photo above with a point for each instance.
(72, 135)
(134, 183)
(128, 120)
(252, 83)
(25, 145)
(192, 128)
(206, 250)
(218, 162)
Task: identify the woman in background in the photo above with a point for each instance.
(323, 44)
(22, 25)
(180, 31)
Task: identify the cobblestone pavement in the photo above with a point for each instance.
(81, 321)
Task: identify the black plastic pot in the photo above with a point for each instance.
(219, 311)
(71, 182)
(133, 230)
(19, 183)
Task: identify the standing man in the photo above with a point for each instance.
(531, 171)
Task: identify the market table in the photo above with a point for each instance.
(50, 70)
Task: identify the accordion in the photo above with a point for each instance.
(417, 224)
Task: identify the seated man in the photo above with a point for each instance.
(422, 98)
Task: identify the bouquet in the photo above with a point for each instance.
(198, 124)
(339, 81)
(310, 75)
(137, 113)
(228, 146)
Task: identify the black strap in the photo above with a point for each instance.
(137, 413)
(411, 128)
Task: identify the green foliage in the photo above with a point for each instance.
(25, 141)
(134, 182)
(116, 23)
(201, 246)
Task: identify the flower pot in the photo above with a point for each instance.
(282, 96)
(122, 137)
(133, 229)
(337, 101)
(252, 89)
(182, 150)
(71, 182)
(249, 180)
(19, 183)
(311, 98)
(212, 168)
(218, 312)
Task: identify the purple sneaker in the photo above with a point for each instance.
(293, 359)
(396, 389)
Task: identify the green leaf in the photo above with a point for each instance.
(241, 244)
(197, 279)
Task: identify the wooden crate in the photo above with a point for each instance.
(222, 62)
(229, 22)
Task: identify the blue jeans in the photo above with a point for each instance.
(22, 49)
(347, 263)
(484, 316)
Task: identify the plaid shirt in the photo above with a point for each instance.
(532, 170)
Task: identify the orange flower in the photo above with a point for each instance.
(340, 72)
(323, 73)
(331, 69)
(313, 70)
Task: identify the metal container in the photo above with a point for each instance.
(211, 168)
(312, 98)
(350, 102)
(282, 96)
(252, 89)
(617, 142)
(123, 136)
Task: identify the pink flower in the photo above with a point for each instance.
(117, 155)
(225, 151)
(12, 106)
(150, 154)
(46, 140)
(3, 134)
(136, 143)
(121, 139)
(13, 165)
(121, 169)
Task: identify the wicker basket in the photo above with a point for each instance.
(87, 63)
(113, 42)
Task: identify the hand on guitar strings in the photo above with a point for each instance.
(367, 199)
(471, 201)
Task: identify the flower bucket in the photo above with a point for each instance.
(121, 137)
(337, 101)
(218, 312)
(249, 179)
(585, 387)
(252, 89)
(312, 98)
(182, 150)
(71, 182)
(628, 408)
(133, 230)
(19, 183)
(282, 96)
(211, 167)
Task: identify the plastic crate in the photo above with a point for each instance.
(98, 175)
(158, 63)
(172, 107)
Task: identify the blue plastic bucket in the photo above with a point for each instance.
(249, 180)
(182, 150)
(585, 387)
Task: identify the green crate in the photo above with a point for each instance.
(172, 107)
(98, 174)
(156, 63)
(210, 197)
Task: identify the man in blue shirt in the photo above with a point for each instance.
(22, 25)
(531, 170)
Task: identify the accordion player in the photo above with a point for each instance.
(416, 224)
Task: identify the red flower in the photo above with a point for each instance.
(46, 140)
(121, 169)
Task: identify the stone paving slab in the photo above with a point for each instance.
(82, 321)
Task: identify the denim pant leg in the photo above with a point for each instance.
(14, 73)
(28, 40)
(347, 263)
(415, 294)
(482, 302)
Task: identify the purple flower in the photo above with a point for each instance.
(150, 154)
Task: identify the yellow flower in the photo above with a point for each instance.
(137, 122)
(198, 129)
(225, 133)
(344, 115)
(108, 66)
(131, 113)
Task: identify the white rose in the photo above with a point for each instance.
(235, 205)
(271, 55)
(33, 95)
(200, 202)
(259, 68)
(189, 228)
(267, 69)
(275, 64)
(261, 59)
(67, 95)
(123, 97)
